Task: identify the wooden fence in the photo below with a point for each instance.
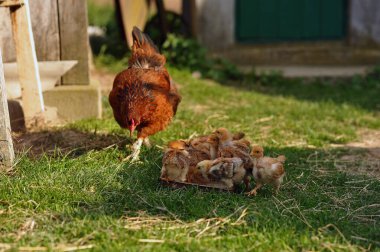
(60, 33)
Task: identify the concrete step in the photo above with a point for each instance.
(75, 102)
(310, 71)
(313, 53)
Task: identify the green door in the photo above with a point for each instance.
(289, 20)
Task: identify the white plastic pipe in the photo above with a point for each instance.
(34, 55)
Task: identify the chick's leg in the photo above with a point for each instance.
(134, 156)
(254, 191)
(277, 187)
(247, 181)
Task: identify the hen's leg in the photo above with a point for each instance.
(134, 156)
(147, 142)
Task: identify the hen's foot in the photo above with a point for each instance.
(136, 147)
(147, 143)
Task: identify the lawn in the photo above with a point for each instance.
(86, 198)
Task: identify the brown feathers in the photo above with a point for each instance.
(145, 54)
(143, 96)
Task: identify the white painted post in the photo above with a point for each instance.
(6, 146)
(29, 76)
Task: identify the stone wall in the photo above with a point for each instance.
(216, 23)
(365, 22)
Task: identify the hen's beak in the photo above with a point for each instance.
(132, 127)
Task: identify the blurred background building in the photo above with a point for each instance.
(257, 32)
(291, 31)
(249, 33)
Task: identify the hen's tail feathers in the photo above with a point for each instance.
(144, 52)
(281, 158)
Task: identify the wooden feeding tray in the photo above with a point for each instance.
(50, 73)
(211, 186)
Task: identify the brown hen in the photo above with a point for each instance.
(143, 97)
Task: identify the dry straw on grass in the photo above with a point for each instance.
(199, 228)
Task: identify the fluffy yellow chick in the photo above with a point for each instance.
(230, 171)
(176, 162)
(266, 170)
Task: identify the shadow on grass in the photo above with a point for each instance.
(65, 142)
(362, 92)
(315, 194)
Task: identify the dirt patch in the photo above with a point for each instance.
(370, 141)
(64, 142)
(362, 156)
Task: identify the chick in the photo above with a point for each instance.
(195, 176)
(205, 144)
(243, 145)
(209, 144)
(176, 162)
(238, 135)
(181, 158)
(228, 148)
(230, 171)
(266, 170)
(196, 156)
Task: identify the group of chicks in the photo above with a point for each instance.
(221, 159)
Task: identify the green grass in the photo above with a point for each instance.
(94, 199)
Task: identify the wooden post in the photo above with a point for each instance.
(6, 146)
(133, 13)
(29, 76)
(74, 40)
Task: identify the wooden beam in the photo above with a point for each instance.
(74, 40)
(44, 15)
(133, 13)
(6, 146)
(32, 99)
(11, 3)
(189, 9)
